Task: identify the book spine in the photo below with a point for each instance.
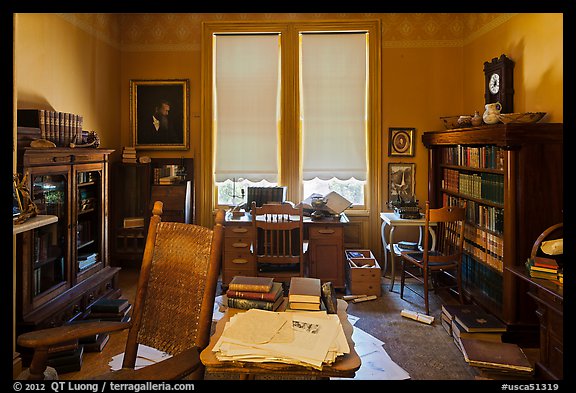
(267, 296)
(246, 304)
(249, 288)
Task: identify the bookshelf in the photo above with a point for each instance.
(511, 176)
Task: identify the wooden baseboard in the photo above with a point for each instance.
(16, 365)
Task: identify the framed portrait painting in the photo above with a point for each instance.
(401, 142)
(159, 114)
(401, 180)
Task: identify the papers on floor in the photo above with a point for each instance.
(145, 357)
(303, 338)
(376, 363)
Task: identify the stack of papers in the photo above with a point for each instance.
(301, 338)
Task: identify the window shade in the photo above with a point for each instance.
(333, 96)
(246, 102)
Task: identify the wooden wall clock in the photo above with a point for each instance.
(499, 82)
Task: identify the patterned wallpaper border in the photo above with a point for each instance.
(145, 33)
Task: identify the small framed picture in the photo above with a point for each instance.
(159, 114)
(401, 142)
(401, 180)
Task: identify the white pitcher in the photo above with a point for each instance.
(492, 113)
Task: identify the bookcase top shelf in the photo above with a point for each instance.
(504, 135)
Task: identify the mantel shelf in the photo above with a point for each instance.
(33, 223)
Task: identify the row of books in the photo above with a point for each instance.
(488, 217)
(545, 268)
(482, 278)
(487, 186)
(62, 128)
(489, 157)
(485, 247)
(479, 336)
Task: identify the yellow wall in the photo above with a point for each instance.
(431, 67)
(535, 43)
(65, 68)
(418, 86)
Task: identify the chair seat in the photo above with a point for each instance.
(418, 257)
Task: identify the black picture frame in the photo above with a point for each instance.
(401, 142)
(401, 180)
(148, 95)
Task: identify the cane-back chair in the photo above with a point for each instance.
(278, 243)
(425, 265)
(172, 309)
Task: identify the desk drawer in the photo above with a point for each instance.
(325, 231)
(237, 244)
(238, 231)
(239, 260)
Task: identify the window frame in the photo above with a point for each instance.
(290, 135)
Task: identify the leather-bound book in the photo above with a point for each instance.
(304, 290)
(496, 355)
(250, 283)
(270, 296)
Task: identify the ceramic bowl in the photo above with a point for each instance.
(450, 122)
(521, 117)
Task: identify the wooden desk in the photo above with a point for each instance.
(345, 366)
(549, 299)
(394, 221)
(325, 256)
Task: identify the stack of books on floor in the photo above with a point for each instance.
(129, 155)
(546, 268)
(246, 292)
(471, 322)
(66, 357)
(94, 343)
(107, 309)
(305, 293)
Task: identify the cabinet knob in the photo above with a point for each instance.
(239, 261)
(326, 231)
(239, 230)
(239, 245)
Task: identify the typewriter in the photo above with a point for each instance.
(405, 208)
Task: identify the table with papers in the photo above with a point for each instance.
(255, 341)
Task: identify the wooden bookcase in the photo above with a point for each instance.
(523, 192)
(131, 196)
(134, 190)
(63, 267)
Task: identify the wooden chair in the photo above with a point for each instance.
(279, 241)
(447, 258)
(172, 310)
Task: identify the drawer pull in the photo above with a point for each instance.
(239, 261)
(239, 230)
(239, 245)
(61, 159)
(326, 231)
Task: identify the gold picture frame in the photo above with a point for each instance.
(159, 114)
(401, 142)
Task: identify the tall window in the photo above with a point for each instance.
(246, 111)
(333, 119)
(295, 104)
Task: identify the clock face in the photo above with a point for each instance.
(494, 84)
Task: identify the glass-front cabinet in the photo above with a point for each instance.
(48, 274)
(63, 267)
